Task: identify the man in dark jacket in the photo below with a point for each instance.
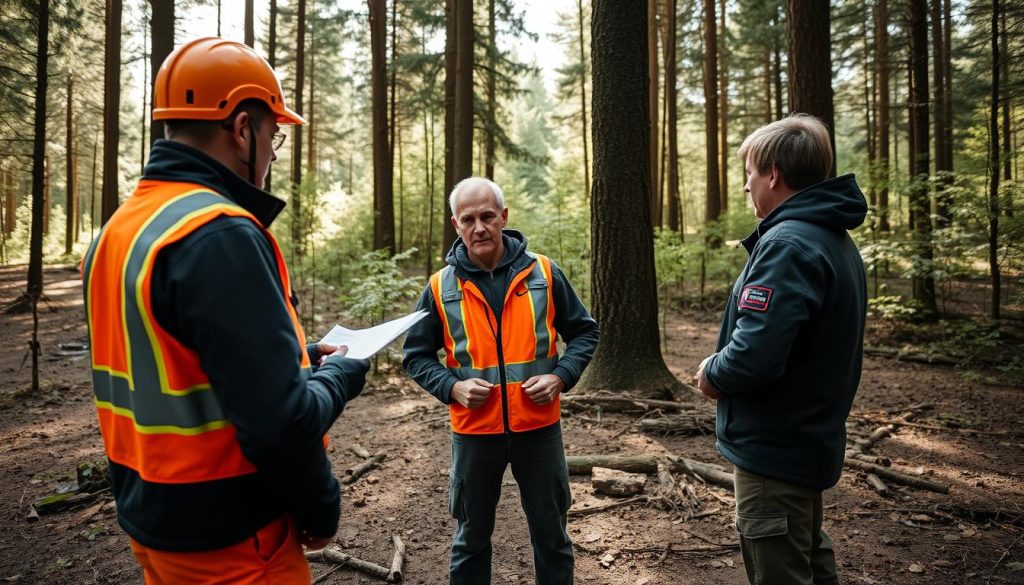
(496, 310)
(788, 360)
(213, 410)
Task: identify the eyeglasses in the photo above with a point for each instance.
(278, 139)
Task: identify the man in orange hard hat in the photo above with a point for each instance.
(213, 409)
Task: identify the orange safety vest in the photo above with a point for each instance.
(157, 412)
(522, 347)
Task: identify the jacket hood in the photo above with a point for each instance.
(180, 163)
(836, 204)
(513, 241)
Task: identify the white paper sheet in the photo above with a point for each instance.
(363, 343)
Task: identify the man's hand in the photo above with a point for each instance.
(472, 393)
(313, 543)
(543, 389)
(326, 350)
(703, 384)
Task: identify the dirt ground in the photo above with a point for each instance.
(975, 445)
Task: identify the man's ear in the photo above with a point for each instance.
(455, 224)
(504, 217)
(241, 130)
(774, 177)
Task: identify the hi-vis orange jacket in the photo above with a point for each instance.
(505, 352)
(157, 412)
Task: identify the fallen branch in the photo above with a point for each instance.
(878, 485)
(915, 357)
(897, 477)
(397, 560)
(708, 472)
(903, 423)
(359, 450)
(611, 506)
(713, 474)
(333, 555)
(689, 423)
(353, 475)
(622, 404)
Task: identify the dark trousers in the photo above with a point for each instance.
(780, 533)
(538, 464)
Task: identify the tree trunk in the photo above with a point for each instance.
(809, 40)
(652, 106)
(920, 202)
(300, 85)
(777, 49)
(723, 111)
(882, 118)
(870, 83)
(1005, 89)
(713, 201)
(942, 197)
(250, 32)
(450, 52)
(492, 81)
(144, 122)
(583, 103)
(947, 65)
(382, 168)
(71, 173)
(462, 161)
(993, 188)
(671, 115)
(161, 24)
(311, 120)
(272, 59)
(112, 105)
(628, 356)
(10, 203)
(35, 262)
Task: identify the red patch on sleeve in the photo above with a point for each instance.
(755, 298)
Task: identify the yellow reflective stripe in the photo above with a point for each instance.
(161, 429)
(165, 385)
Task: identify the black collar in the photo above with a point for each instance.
(176, 162)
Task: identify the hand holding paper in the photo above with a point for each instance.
(363, 343)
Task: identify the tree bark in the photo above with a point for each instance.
(652, 107)
(300, 85)
(35, 263)
(161, 25)
(777, 49)
(1005, 98)
(144, 122)
(671, 115)
(942, 201)
(71, 173)
(628, 357)
(382, 161)
(713, 197)
(462, 161)
(920, 202)
(112, 106)
(583, 103)
(450, 52)
(250, 32)
(723, 110)
(491, 97)
(808, 37)
(993, 192)
(272, 59)
(882, 117)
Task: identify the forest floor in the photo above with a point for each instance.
(970, 436)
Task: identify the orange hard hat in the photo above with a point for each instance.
(207, 78)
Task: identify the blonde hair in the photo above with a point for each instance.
(798, 146)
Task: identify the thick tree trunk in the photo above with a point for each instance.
(71, 173)
(671, 115)
(870, 83)
(300, 86)
(272, 59)
(382, 167)
(652, 107)
(993, 192)
(583, 103)
(161, 25)
(920, 202)
(35, 262)
(777, 50)
(713, 197)
(450, 52)
(628, 356)
(942, 197)
(144, 122)
(112, 105)
(882, 118)
(462, 162)
(311, 120)
(492, 82)
(809, 41)
(723, 109)
(1005, 99)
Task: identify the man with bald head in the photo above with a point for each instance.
(497, 311)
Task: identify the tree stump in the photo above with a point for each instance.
(617, 483)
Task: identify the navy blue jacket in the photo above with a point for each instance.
(789, 352)
(573, 323)
(218, 292)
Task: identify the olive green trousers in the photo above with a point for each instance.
(780, 532)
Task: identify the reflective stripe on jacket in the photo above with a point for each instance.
(158, 414)
(505, 352)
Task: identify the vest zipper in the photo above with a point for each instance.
(501, 370)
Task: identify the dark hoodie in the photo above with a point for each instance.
(573, 323)
(789, 352)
